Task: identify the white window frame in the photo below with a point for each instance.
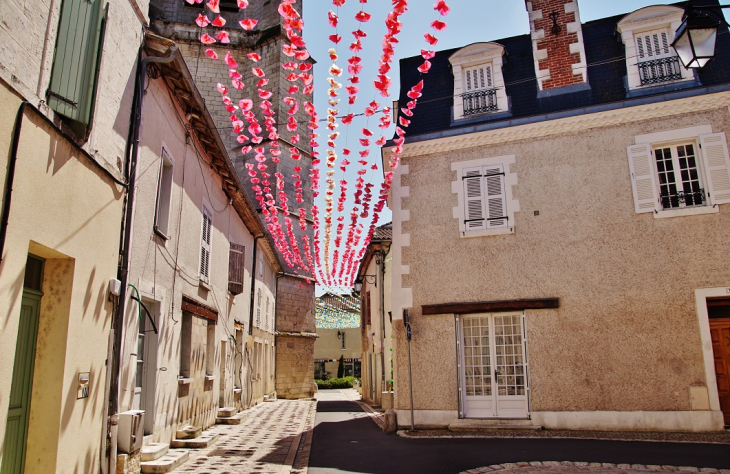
(713, 162)
(473, 56)
(650, 20)
(206, 245)
(511, 205)
(165, 184)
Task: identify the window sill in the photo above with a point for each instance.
(184, 381)
(204, 284)
(161, 234)
(209, 378)
(487, 233)
(695, 211)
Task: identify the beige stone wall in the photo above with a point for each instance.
(68, 212)
(329, 346)
(294, 367)
(626, 336)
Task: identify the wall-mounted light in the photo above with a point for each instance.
(369, 279)
(556, 29)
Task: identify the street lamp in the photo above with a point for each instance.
(696, 37)
(367, 278)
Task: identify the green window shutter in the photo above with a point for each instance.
(75, 64)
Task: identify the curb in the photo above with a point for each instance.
(569, 466)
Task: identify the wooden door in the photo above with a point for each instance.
(720, 331)
(16, 431)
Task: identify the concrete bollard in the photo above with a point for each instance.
(390, 424)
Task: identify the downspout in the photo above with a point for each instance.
(125, 251)
(383, 254)
(253, 283)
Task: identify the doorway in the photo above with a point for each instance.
(493, 366)
(16, 431)
(718, 311)
(145, 386)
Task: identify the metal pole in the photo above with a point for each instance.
(410, 383)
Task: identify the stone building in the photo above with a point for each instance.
(67, 76)
(199, 332)
(176, 19)
(338, 336)
(376, 331)
(559, 229)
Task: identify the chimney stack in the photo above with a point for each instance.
(557, 45)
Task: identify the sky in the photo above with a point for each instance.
(470, 21)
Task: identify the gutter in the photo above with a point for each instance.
(13, 158)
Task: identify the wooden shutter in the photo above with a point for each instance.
(76, 61)
(653, 45)
(478, 78)
(368, 319)
(495, 198)
(474, 212)
(205, 241)
(717, 167)
(643, 182)
(235, 268)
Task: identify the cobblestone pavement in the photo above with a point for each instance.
(275, 438)
(552, 467)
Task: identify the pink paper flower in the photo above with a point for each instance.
(214, 6)
(202, 20)
(220, 21)
(205, 38)
(211, 54)
(223, 37)
(248, 24)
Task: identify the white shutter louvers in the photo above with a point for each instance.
(717, 167)
(643, 184)
(205, 241)
(474, 199)
(494, 180)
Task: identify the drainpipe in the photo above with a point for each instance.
(382, 254)
(125, 251)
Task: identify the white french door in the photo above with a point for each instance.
(493, 366)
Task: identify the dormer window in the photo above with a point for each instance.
(478, 82)
(657, 60)
(650, 59)
(479, 95)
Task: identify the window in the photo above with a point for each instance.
(205, 245)
(679, 172)
(74, 76)
(236, 268)
(647, 35)
(164, 195)
(478, 83)
(657, 60)
(484, 189)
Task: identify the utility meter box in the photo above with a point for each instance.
(130, 432)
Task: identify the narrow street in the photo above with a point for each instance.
(347, 440)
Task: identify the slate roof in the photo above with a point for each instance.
(605, 54)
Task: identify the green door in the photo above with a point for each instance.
(16, 431)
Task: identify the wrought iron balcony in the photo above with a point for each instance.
(659, 71)
(671, 201)
(480, 102)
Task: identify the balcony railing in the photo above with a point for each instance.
(671, 201)
(480, 102)
(659, 71)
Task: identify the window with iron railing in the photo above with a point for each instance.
(657, 61)
(679, 177)
(480, 102)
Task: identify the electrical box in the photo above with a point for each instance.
(130, 432)
(115, 287)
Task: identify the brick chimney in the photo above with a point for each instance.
(560, 56)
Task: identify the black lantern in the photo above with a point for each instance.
(696, 37)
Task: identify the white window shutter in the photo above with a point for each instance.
(474, 212)
(495, 197)
(717, 167)
(643, 181)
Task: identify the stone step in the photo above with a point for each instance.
(201, 442)
(154, 451)
(486, 425)
(188, 432)
(227, 412)
(231, 420)
(167, 463)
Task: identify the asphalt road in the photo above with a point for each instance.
(346, 442)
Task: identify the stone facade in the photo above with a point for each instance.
(295, 342)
